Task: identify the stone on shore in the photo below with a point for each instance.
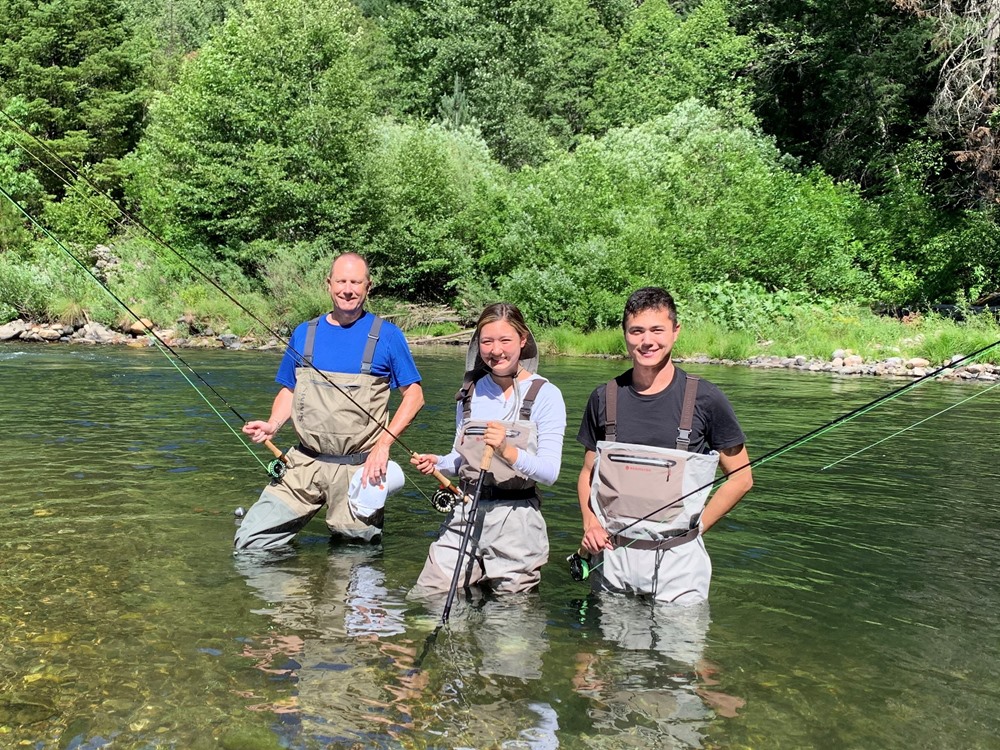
(140, 327)
(12, 330)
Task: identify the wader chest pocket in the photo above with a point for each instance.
(634, 483)
(480, 430)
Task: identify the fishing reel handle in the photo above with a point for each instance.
(579, 566)
(276, 451)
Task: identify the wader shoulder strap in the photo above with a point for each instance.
(307, 350)
(529, 398)
(465, 396)
(369, 355)
(366, 358)
(611, 411)
(687, 413)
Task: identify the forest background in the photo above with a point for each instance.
(780, 166)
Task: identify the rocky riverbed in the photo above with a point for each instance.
(842, 362)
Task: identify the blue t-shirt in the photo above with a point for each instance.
(340, 349)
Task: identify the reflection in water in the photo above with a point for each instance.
(330, 625)
(340, 635)
(648, 689)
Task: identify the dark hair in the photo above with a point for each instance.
(503, 311)
(649, 298)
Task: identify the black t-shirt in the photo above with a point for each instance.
(654, 419)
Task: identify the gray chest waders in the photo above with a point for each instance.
(646, 497)
(501, 481)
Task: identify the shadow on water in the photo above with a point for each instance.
(852, 607)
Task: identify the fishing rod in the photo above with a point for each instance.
(443, 481)
(580, 568)
(275, 468)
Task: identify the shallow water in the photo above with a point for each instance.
(851, 608)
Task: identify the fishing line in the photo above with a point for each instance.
(802, 440)
(163, 346)
(915, 424)
(442, 480)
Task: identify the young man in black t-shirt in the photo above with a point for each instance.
(667, 561)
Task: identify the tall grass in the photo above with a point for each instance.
(579, 343)
(816, 336)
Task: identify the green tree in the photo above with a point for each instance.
(263, 140)
(76, 71)
(844, 86)
(664, 58)
(428, 178)
(525, 67)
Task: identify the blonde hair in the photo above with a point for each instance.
(351, 256)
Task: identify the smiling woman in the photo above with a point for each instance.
(507, 410)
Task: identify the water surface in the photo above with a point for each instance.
(851, 608)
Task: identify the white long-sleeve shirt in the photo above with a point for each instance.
(548, 413)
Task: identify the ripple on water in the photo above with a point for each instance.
(844, 602)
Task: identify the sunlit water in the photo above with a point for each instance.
(855, 607)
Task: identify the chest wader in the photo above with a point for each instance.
(649, 498)
(335, 432)
(334, 439)
(510, 542)
(502, 482)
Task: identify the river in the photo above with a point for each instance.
(851, 607)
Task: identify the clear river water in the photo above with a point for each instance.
(852, 607)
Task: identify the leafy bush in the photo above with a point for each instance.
(425, 176)
(748, 306)
(678, 201)
(24, 290)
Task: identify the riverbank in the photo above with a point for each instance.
(603, 344)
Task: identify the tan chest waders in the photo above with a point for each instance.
(501, 480)
(648, 497)
(335, 436)
(330, 426)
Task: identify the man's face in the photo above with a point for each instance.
(349, 284)
(650, 337)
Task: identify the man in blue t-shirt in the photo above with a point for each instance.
(335, 380)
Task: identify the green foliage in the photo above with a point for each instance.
(77, 70)
(82, 215)
(580, 344)
(431, 330)
(295, 280)
(23, 290)
(748, 306)
(920, 253)
(664, 58)
(426, 177)
(938, 342)
(710, 339)
(264, 136)
(676, 201)
(847, 88)
(526, 68)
